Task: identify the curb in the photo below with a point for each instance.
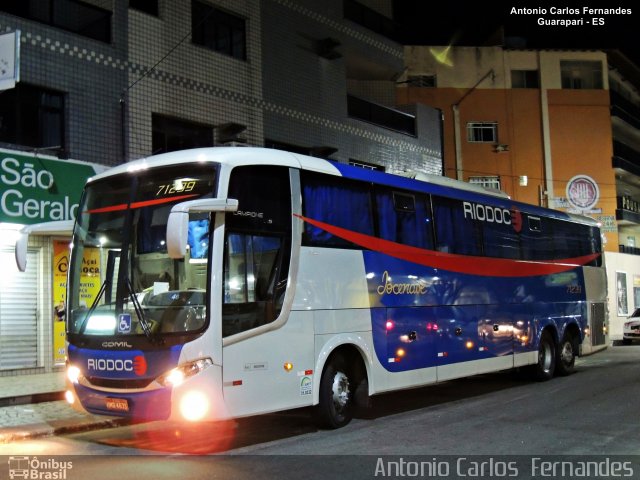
(59, 427)
(51, 427)
(31, 398)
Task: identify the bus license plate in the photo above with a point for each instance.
(118, 404)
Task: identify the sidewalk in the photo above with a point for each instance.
(33, 406)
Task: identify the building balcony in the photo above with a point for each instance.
(626, 158)
(624, 109)
(629, 250)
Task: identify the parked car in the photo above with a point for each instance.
(631, 329)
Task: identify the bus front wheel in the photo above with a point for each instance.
(336, 405)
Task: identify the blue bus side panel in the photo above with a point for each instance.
(423, 317)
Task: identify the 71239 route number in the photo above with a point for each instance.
(177, 187)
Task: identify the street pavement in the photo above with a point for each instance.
(31, 406)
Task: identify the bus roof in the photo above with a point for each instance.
(431, 184)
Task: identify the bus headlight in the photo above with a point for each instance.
(176, 376)
(73, 374)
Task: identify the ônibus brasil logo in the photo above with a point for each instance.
(137, 365)
(38, 469)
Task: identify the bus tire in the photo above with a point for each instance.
(336, 403)
(566, 355)
(544, 369)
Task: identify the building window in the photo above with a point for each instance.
(32, 116)
(366, 165)
(581, 74)
(428, 81)
(171, 134)
(146, 6)
(482, 132)
(492, 182)
(381, 116)
(219, 31)
(71, 15)
(524, 79)
(370, 19)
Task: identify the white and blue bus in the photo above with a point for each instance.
(240, 281)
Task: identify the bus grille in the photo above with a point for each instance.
(119, 383)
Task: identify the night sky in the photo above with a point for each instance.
(473, 23)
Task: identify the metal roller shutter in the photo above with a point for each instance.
(18, 313)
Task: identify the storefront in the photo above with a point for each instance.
(35, 189)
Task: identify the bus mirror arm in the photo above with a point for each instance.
(178, 222)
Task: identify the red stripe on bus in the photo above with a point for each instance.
(142, 204)
(470, 265)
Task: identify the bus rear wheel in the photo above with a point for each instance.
(336, 402)
(544, 369)
(566, 355)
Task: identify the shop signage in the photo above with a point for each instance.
(9, 60)
(583, 193)
(35, 189)
(628, 204)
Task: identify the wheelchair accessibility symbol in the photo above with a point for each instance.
(124, 323)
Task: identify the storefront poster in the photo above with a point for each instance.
(60, 264)
(636, 292)
(89, 287)
(621, 294)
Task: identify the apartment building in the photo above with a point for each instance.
(102, 82)
(552, 127)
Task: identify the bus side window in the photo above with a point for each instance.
(500, 240)
(404, 217)
(257, 247)
(537, 239)
(338, 202)
(456, 233)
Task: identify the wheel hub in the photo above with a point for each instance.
(340, 391)
(567, 352)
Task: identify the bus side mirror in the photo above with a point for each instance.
(21, 251)
(178, 222)
(59, 227)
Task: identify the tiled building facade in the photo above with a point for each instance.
(107, 81)
(151, 72)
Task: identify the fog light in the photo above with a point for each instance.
(194, 406)
(69, 397)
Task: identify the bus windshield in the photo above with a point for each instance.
(122, 282)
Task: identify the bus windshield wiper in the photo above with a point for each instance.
(94, 305)
(144, 323)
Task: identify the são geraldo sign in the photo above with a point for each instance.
(35, 189)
